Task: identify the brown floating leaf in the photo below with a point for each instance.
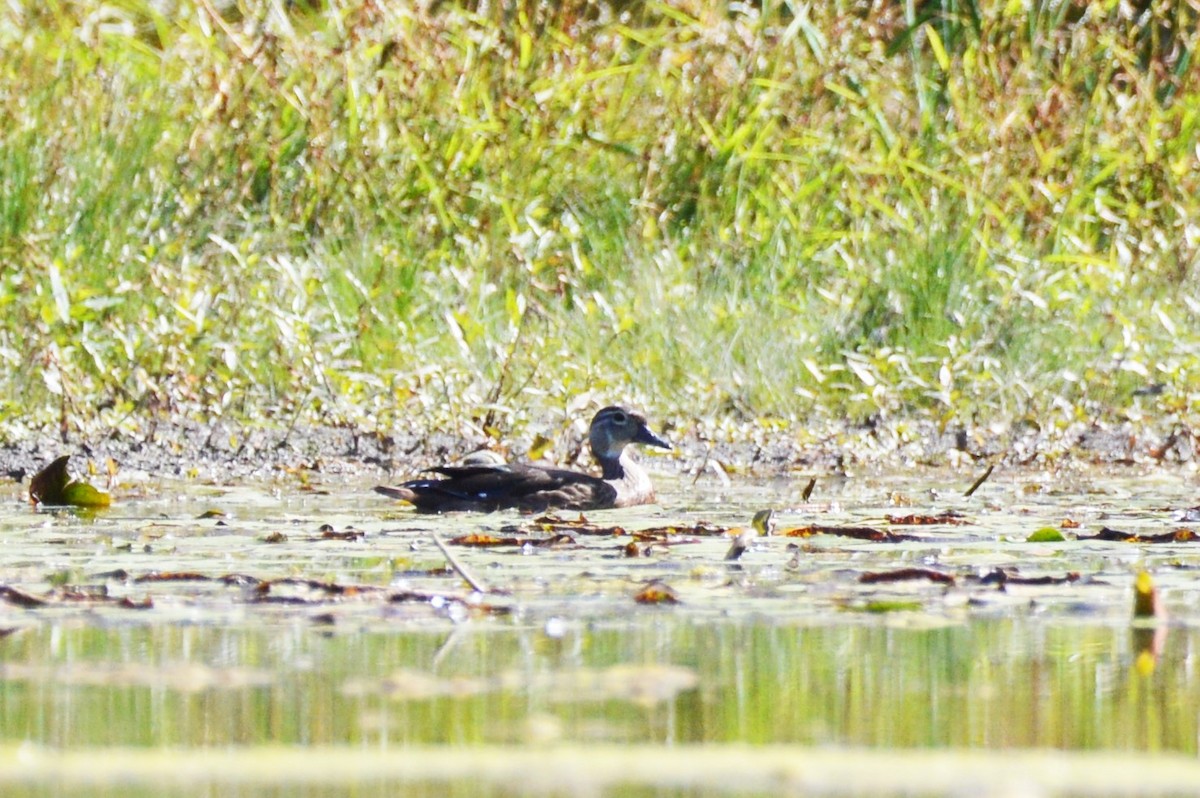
(949, 517)
(561, 539)
(266, 598)
(479, 539)
(591, 529)
(550, 519)
(656, 593)
(631, 549)
(329, 533)
(48, 484)
(700, 528)
(581, 526)
(1002, 577)
(659, 534)
(856, 532)
(552, 523)
(1145, 598)
(173, 576)
(1069, 523)
(331, 588)
(904, 575)
(20, 598)
(1181, 535)
(405, 596)
(53, 486)
(492, 540)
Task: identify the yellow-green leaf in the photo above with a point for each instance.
(53, 486)
(1145, 597)
(81, 494)
(1046, 534)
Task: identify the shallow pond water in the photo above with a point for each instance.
(219, 640)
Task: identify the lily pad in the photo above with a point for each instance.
(53, 486)
(1046, 534)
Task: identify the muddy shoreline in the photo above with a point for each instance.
(227, 450)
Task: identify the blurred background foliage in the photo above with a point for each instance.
(410, 215)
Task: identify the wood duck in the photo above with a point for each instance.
(487, 487)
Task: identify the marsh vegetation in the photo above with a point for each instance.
(430, 216)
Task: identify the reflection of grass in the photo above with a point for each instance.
(880, 606)
(404, 215)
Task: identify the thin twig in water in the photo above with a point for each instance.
(458, 567)
(808, 489)
(703, 464)
(975, 486)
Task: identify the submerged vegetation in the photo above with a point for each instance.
(370, 214)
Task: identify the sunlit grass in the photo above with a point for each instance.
(390, 215)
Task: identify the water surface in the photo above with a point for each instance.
(277, 658)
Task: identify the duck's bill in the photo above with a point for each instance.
(644, 435)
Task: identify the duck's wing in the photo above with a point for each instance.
(494, 487)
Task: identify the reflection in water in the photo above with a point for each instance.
(767, 652)
(1013, 683)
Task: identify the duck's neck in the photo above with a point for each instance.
(624, 468)
(617, 466)
(622, 471)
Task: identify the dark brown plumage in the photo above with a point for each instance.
(487, 487)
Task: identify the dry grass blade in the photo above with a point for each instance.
(459, 568)
(975, 485)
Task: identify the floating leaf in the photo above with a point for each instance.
(349, 533)
(764, 522)
(480, 539)
(905, 575)
(13, 596)
(53, 486)
(1002, 577)
(1181, 535)
(856, 532)
(81, 494)
(656, 593)
(1145, 597)
(1046, 534)
(949, 517)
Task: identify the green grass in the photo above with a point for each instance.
(381, 215)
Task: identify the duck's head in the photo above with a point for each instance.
(614, 427)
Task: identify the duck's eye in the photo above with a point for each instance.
(620, 418)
